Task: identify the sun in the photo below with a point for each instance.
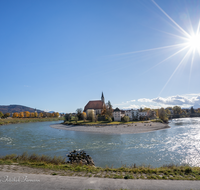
(194, 41)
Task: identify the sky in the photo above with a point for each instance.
(58, 55)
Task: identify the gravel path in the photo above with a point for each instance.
(115, 129)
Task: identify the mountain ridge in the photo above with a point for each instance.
(17, 108)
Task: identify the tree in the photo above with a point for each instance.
(177, 110)
(84, 116)
(26, 114)
(76, 118)
(40, 114)
(91, 116)
(32, 114)
(146, 110)
(56, 114)
(79, 113)
(1, 114)
(21, 114)
(6, 115)
(107, 110)
(15, 115)
(126, 118)
(192, 110)
(163, 115)
(167, 111)
(52, 114)
(109, 119)
(35, 114)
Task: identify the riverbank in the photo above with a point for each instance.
(131, 128)
(26, 120)
(56, 166)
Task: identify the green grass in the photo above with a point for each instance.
(87, 122)
(59, 166)
(26, 120)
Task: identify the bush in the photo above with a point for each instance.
(109, 119)
(126, 118)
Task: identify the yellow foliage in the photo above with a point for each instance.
(15, 115)
(41, 114)
(21, 114)
(32, 114)
(27, 114)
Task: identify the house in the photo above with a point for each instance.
(117, 114)
(96, 105)
(132, 114)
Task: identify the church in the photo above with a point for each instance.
(96, 105)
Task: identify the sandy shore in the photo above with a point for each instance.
(115, 129)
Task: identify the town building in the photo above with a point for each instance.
(117, 114)
(96, 105)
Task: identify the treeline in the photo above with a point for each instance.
(28, 114)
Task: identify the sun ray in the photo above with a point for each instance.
(166, 59)
(153, 49)
(175, 71)
(171, 19)
(193, 53)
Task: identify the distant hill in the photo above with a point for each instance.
(17, 108)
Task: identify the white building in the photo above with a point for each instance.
(132, 114)
(142, 114)
(117, 114)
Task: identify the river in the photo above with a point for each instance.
(179, 144)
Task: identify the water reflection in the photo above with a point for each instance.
(178, 144)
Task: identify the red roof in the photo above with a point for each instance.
(96, 104)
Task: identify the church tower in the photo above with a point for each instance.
(102, 98)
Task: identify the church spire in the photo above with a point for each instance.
(102, 98)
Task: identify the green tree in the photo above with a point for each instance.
(167, 111)
(76, 119)
(163, 115)
(6, 115)
(1, 114)
(126, 118)
(79, 113)
(192, 110)
(177, 110)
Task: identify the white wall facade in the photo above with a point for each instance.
(117, 115)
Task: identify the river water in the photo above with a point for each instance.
(179, 144)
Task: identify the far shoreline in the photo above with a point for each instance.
(133, 128)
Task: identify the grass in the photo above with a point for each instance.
(26, 120)
(87, 122)
(59, 166)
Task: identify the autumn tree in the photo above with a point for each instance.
(56, 114)
(40, 114)
(107, 110)
(26, 114)
(21, 114)
(84, 116)
(146, 109)
(52, 114)
(32, 114)
(35, 114)
(15, 115)
(91, 116)
(1, 114)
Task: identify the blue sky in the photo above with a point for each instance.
(58, 55)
